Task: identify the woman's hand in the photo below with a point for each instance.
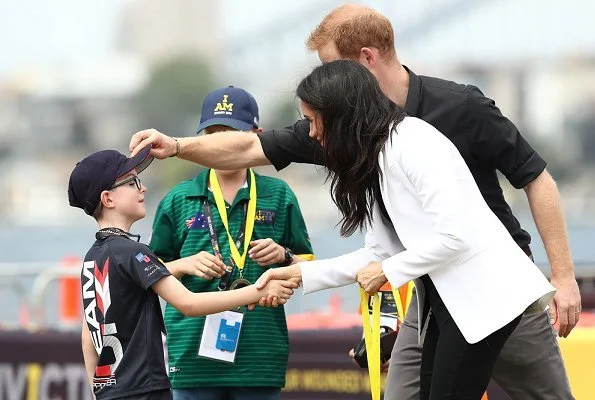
(292, 274)
(371, 278)
(279, 291)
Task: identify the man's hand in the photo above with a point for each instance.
(266, 252)
(383, 367)
(566, 305)
(291, 273)
(162, 146)
(204, 265)
(544, 201)
(371, 278)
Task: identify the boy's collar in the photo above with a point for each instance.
(104, 233)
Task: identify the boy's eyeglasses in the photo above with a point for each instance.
(134, 179)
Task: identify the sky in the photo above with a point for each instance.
(60, 32)
(54, 32)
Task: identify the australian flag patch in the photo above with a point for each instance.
(199, 221)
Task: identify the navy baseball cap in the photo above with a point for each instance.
(98, 172)
(229, 106)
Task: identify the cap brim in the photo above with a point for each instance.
(139, 162)
(232, 123)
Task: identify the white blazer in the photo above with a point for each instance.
(446, 230)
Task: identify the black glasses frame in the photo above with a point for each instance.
(134, 179)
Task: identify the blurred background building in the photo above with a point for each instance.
(77, 77)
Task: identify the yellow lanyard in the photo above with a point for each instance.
(372, 338)
(402, 307)
(239, 259)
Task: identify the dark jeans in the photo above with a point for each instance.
(228, 393)
(164, 394)
(451, 368)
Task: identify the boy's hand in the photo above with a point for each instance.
(266, 252)
(278, 291)
(204, 265)
(162, 145)
(292, 273)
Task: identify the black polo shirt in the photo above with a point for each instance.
(486, 139)
(124, 318)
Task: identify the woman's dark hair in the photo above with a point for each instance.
(357, 117)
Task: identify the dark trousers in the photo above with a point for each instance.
(451, 368)
(164, 394)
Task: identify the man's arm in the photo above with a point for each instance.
(235, 150)
(498, 143)
(89, 354)
(544, 201)
(225, 150)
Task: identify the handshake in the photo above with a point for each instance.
(276, 285)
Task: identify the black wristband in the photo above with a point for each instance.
(288, 257)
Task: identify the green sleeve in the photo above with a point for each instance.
(295, 235)
(164, 239)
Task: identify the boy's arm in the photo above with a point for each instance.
(196, 304)
(89, 354)
(295, 237)
(150, 273)
(295, 234)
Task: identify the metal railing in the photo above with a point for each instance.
(29, 283)
(15, 278)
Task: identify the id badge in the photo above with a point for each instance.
(388, 310)
(221, 335)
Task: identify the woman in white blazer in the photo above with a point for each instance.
(406, 184)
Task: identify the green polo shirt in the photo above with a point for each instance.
(180, 230)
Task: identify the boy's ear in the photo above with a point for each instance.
(106, 199)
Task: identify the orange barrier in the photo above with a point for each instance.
(578, 351)
(334, 318)
(70, 292)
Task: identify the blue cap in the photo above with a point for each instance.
(229, 106)
(98, 172)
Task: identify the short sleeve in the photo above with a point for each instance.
(497, 142)
(144, 267)
(163, 237)
(291, 144)
(295, 234)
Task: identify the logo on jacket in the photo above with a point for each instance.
(142, 257)
(97, 301)
(265, 216)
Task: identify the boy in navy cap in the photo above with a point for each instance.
(236, 219)
(121, 279)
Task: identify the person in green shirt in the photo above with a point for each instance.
(222, 230)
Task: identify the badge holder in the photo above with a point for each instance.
(220, 336)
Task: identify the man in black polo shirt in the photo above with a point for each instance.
(530, 365)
